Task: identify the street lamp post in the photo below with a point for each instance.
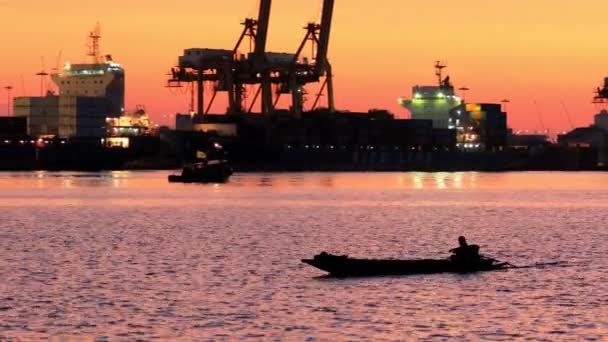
(464, 93)
(8, 100)
(505, 101)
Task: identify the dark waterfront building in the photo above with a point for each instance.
(480, 127)
(601, 120)
(322, 129)
(493, 129)
(323, 140)
(183, 122)
(63, 116)
(592, 139)
(591, 136)
(11, 126)
(526, 141)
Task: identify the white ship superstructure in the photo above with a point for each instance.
(88, 94)
(94, 80)
(433, 102)
(477, 126)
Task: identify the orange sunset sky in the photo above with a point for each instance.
(545, 56)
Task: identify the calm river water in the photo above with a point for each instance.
(125, 256)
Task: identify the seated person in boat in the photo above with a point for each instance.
(465, 253)
(200, 164)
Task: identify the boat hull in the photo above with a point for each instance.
(217, 172)
(343, 266)
(198, 179)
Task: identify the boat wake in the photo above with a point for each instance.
(539, 265)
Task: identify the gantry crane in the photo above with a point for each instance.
(226, 70)
(230, 71)
(291, 77)
(302, 73)
(202, 66)
(260, 62)
(254, 68)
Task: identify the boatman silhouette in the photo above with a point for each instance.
(464, 254)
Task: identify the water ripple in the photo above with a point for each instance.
(143, 260)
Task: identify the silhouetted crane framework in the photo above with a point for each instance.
(601, 94)
(229, 71)
(226, 70)
(201, 66)
(254, 69)
(303, 73)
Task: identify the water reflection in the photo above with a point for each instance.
(407, 180)
(296, 180)
(120, 174)
(440, 178)
(119, 178)
(266, 181)
(134, 257)
(458, 177)
(326, 181)
(439, 181)
(418, 180)
(66, 182)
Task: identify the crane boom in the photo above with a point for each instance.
(259, 59)
(262, 29)
(328, 8)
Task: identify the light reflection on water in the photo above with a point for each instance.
(127, 255)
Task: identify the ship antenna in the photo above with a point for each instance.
(94, 44)
(438, 68)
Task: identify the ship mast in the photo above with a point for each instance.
(601, 95)
(438, 68)
(94, 44)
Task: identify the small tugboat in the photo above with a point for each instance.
(209, 167)
(212, 171)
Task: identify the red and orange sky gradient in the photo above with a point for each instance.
(545, 56)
